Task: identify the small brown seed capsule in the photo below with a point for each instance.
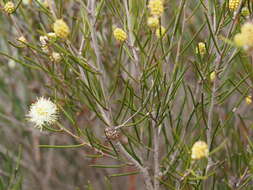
(111, 133)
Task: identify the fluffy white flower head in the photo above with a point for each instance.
(42, 112)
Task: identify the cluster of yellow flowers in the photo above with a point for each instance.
(199, 150)
(248, 99)
(244, 39)
(156, 8)
(9, 7)
(55, 57)
(212, 76)
(61, 29)
(201, 48)
(120, 35)
(233, 4)
(153, 22)
(160, 32)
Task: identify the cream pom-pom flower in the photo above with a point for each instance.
(201, 48)
(156, 7)
(120, 34)
(248, 99)
(9, 7)
(199, 150)
(153, 22)
(43, 112)
(61, 29)
(212, 76)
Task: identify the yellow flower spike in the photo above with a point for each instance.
(248, 99)
(156, 7)
(9, 7)
(212, 76)
(61, 29)
(153, 22)
(201, 48)
(199, 150)
(245, 11)
(233, 4)
(119, 34)
(160, 32)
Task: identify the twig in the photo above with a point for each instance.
(83, 142)
(217, 63)
(142, 169)
(103, 79)
(156, 156)
(215, 84)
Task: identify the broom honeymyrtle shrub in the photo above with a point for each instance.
(127, 94)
